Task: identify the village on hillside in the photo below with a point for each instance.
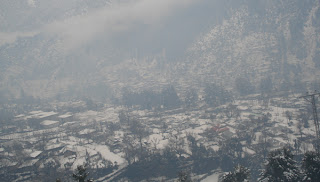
(99, 139)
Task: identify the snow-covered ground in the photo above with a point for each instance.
(89, 135)
(212, 178)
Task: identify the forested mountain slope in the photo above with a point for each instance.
(235, 40)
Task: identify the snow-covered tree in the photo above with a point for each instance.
(240, 174)
(266, 85)
(280, 167)
(80, 174)
(244, 86)
(216, 95)
(184, 176)
(311, 167)
(170, 98)
(191, 98)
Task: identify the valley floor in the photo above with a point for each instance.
(99, 139)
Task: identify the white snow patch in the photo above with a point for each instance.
(86, 131)
(65, 116)
(249, 151)
(108, 155)
(29, 163)
(212, 178)
(48, 122)
(215, 148)
(161, 142)
(35, 153)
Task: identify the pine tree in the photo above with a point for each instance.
(311, 167)
(191, 98)
(280, 167)
(80, 174)
(240, 174)
(184, 177)
(215, 95)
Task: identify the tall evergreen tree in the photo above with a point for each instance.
(80, 174)
(311, 167)
(244, 86)
(184, 176)
(191, 98)
(280, 167)
(216, 95)
(240, 174)
(266, 85)
(170, 98)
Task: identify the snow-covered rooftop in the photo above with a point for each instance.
(35, 112)
(35, 153)
(20, 116)
(65, 116)
(48, 122)
(40, 114)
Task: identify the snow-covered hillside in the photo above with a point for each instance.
(276, 43)
(256, 40)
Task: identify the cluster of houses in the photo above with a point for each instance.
(41, 119)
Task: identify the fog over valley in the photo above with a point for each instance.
(159, 90)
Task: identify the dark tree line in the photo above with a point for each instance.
(216, 95)
(80, 175)
(167, 98)
(281, 166)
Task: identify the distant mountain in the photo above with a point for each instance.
(206, 42)
(261, 39)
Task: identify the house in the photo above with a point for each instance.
(65, 118)
(69, 154)
(219, 129)
(35, 154)
(49, 124)
(19, 117)
(41, 115)
(36, 117)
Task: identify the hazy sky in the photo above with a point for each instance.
(115, 17)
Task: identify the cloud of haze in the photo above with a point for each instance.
(10, 37)
(116, 18)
